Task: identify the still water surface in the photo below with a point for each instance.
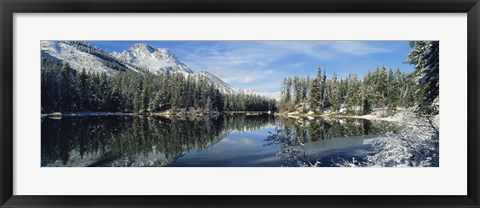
(224, 141)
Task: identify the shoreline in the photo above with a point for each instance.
(405, 116)
(164, 113)
(58, 114)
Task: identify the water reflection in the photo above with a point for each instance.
(308, 130)
(317, 142)
(99, 141)
(238, 140)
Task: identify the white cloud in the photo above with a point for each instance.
(310, 48)
(240, 79)
(295, 65)
(327, 49)
(356, 47)
(250, 62)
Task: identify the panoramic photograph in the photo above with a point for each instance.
(292, 103)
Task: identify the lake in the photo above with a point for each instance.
(223, 141)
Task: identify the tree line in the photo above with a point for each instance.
(67, 90)
(383, 88)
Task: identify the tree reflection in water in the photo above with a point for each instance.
(114, 140)
(292, 135)
(158, 141)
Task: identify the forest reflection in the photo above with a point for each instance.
(158, 141)
(109, 137)
(310, 130)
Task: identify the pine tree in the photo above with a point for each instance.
(353, 95)
(288, 97)
(366, 94)
(335, 94)
(366, 108)
(393, 91)
(208, 105)
(381, 86)
(316, 93)
(425, 57)
(298, 90)
(324, 92)
(137, 102)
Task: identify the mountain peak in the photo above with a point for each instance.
(139, 57)
(142, 47)
(154, 60)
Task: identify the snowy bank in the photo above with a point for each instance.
(414, 146)
(402, 115)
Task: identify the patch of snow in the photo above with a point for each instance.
(77, 59)
(401, 115)
(413, 146)
(139, 56)
(154, 60)
(215, 81)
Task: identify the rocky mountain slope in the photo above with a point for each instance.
(140, 57)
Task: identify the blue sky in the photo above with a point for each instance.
(262, 65)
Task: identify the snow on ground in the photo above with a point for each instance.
(402, 115)
(415, 145)
(77, 159)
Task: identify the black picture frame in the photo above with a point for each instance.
(9, 7)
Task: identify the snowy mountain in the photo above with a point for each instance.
(139, 57)
(154, 60)
(81, 55)
(161, 60)
(214, 80)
